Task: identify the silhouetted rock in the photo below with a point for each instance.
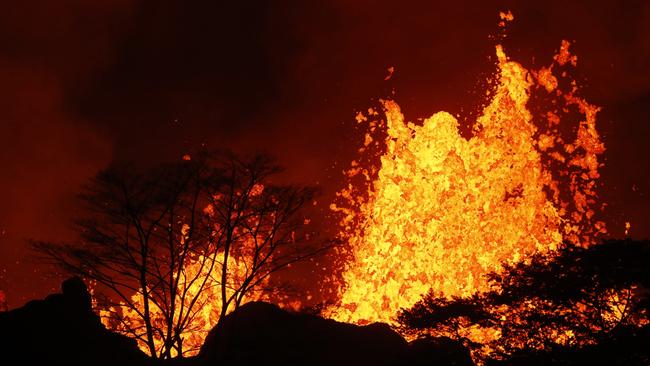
(63, 330)
(260, 333)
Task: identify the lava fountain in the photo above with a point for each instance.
(439, 211)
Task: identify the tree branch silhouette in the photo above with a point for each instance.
(168, 241)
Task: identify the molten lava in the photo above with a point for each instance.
(201, 317)
(439, 211)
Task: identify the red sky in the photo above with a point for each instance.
(88, 82)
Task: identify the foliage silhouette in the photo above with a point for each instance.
(566, 302)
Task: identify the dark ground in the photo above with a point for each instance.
(62, 330)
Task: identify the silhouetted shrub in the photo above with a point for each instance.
(552, 307)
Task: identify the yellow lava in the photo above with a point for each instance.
(203, 314)
(440, 211)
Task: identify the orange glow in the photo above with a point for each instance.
(204, 314)
(201, 303)
(439, 211)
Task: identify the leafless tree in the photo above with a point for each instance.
(169, 241)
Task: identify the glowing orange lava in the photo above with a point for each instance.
(440, 211)
(203, 315)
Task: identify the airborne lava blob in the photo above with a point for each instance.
(440, 211)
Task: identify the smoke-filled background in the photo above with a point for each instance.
(84, 83)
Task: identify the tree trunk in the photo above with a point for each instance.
(147, 320)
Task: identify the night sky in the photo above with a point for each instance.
(85, 83)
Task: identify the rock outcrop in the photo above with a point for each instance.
(260, 333)
(63, 330)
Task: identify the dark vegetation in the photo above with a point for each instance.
(571, 307)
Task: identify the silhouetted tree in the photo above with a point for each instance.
(173, 241)
(568, 299)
